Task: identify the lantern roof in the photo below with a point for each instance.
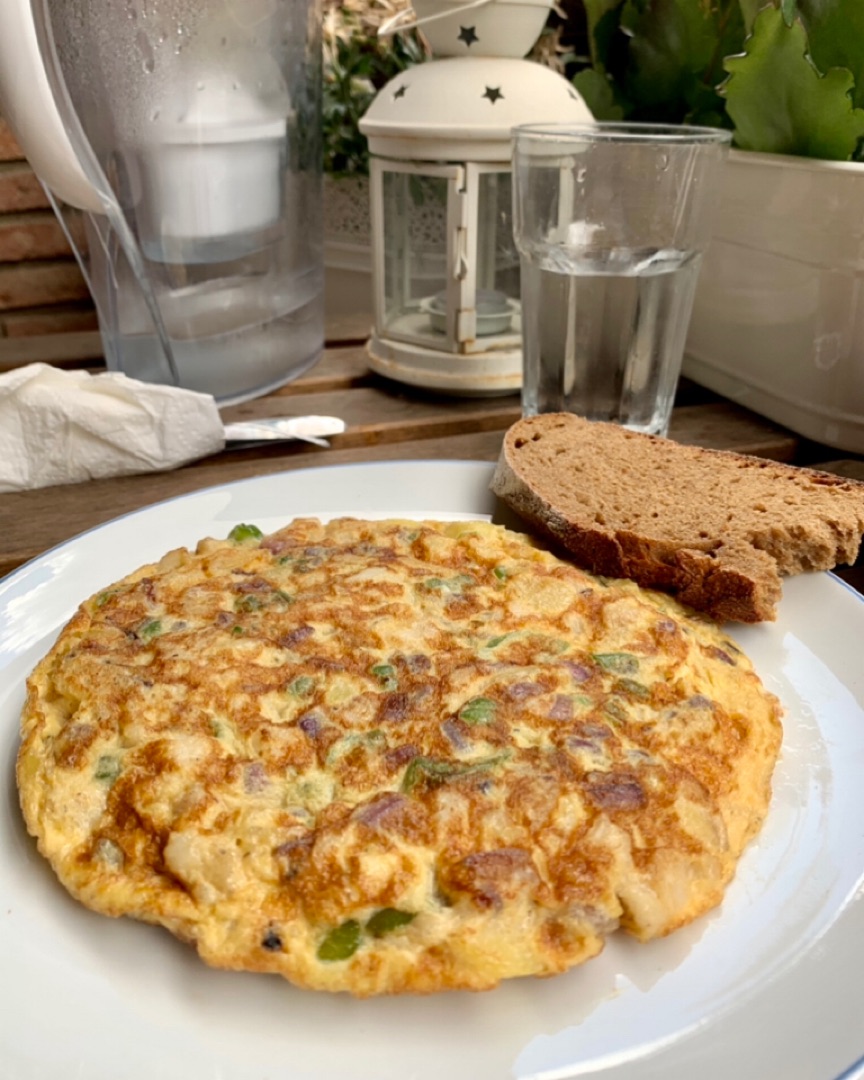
(480, 27)
(465, 108)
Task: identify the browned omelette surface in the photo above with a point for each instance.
(393, 756)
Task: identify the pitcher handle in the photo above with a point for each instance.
(28, 106)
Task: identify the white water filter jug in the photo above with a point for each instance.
(186, 136)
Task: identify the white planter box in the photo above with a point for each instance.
(778, 321)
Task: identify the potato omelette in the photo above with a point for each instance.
(393, 756)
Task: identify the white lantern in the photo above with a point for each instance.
(445, 267)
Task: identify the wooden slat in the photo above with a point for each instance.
(377, 411)
(346, 329)
(35, 284)
(409, 429)
(339, 368)
(56, 319)
(9, 148)
(19, 188)
(61, 349)
(724, 426)
(851, 468)
(36, 520)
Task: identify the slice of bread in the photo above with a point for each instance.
(714, 528)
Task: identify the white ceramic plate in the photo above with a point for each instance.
(770, 985)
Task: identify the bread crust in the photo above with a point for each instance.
(715, 529)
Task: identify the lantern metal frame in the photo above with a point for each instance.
(465, 263)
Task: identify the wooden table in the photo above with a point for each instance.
(385, 421)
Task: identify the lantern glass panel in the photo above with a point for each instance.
(498, 304)
(415, 250)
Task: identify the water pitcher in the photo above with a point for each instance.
(179, 143)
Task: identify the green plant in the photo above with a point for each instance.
(357, 63)
(787, 76)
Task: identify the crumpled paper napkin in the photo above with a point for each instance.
(63, 427)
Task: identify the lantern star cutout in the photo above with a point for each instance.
(468, 35)
(493, 93)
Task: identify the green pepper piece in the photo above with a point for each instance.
(501, 572)
(248, 603)
(245, 532)
(428, 767)
(620, 662)
(438, 772)
(341, 943)
(149, 630)
(389, 919)
(386, 675)
(633, 688)
(450, 585)
(480, 710)
(615, 712)
(107, 768)
(302, 686)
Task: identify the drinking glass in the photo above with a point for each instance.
(611, 220)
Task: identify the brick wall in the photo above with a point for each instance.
(42, 291)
